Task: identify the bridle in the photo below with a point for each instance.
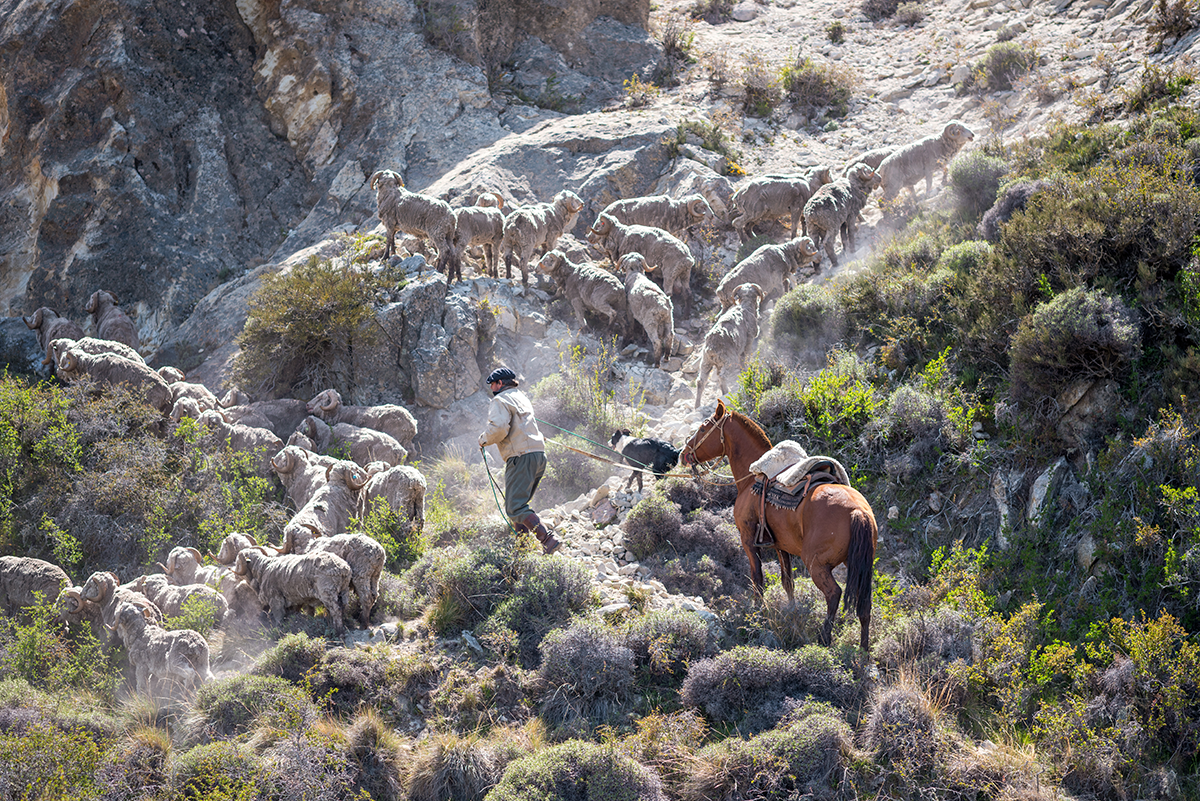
(719, 427)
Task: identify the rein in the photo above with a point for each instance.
(720, 429)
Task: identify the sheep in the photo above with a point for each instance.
(171, 374)
(94, 346)
(910, 162)
(537, 228)
(243, 438)
(106, 592)
(770, 266)
(109, 368)
(233, 543)
(387, 417)
(203, 396)
(301, 471)
(185, 407)
(774, 196)
(233, 397)
(872, 158)
(675, 216)
(166, 655)
(417, 215)
(835, 207)
(586, 286)
(729, 342)
(184, 566)
(366, 445)
(48, 326)
(659, 248)
(289, 581)
(73, 609)
(23, 579)
(649, 305)
(481, 225)
(110, 322)
(402, 488)
(365, 557)
(280, 416)
(330, 508)
(170, 597)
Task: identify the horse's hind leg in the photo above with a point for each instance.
(822, 576)
(785, 574)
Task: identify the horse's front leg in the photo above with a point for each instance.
(756, 570)
(822, 576)
(785, 574)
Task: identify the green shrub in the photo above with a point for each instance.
(228, 707)
(451, 767)
(811, 315)
(346, 679)
(1157, 86)
(975, 176)
(876, 10)
(301, 329)
(713, 11)
(1002, 64)
(577, 770)
(836, 32)
(909, 13)
(220, 770)
(652, 521)
(36, 648)
(809, 84)
(578, 398)
(965, 258)
(543, 593)
(40, 760)
(1079, 335)
(137, 767)
(291, 658)
(665, 642)
(748, 685)
(902, 727)
(398, 535)
(197, 613)
(760, 86)
(588, 672)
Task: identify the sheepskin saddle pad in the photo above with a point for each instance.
(786, 467)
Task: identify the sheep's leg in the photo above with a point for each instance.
(796, 215)
(929, 183)
(705, 369)
(508, 262)
(577, 306)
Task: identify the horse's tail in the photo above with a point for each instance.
(860, 562)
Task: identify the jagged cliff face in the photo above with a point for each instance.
(157, 149)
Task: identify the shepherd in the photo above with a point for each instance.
(511, 427)
(832, 525)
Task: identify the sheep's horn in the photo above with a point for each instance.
(34, 321)
(141, 584)
(375, 176)
(316, 532)
(196, 553)
(91, 304)
(211, 556)
(113, 295)
(329, 404)
(69, 362)
(696, 207)
(261, 550)
(146, 613)
(110, 628)
(499, 199)
(356, 480)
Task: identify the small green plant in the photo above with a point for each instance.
(399, 536)
(197, 613)
(1171, 20)
(975, 176)
(639, 93)
(760, 86)
(1002, 64)
(909, 13)
(810, 84)
(678, 41)
(1157, 85)
(37, 649)
(579, 395)
(836, 32)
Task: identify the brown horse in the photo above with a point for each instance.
(834, 524)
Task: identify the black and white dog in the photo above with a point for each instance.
(644, 454)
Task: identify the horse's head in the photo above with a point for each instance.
(708, 442)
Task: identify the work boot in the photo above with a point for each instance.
(549, 541)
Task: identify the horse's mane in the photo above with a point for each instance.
(752, 428)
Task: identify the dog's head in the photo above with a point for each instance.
(616, 437)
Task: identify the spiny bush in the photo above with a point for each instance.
(799, 756)
(666, 743)
(291, 658)
(1157, 86)
(705, 559)
(44, 761)
(713, 11)
(302, 328)
(1079, 335)
(748, 685)
(398, 535)
(228, 707)
(544, 593)
(222, 769)
(578, 398)
(310, 765)
(811, 315)
(577, 769)
(902, 728)
(654, 520)
(349, 678)
(678, 40)
(453, 767)
(909, 13)
(589, 673)
(136, 767)
(810, 84)
(836, 32)
(1001, 64)
(665, 642)
(975, 176)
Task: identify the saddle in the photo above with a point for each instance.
(786, 475)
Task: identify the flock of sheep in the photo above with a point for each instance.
(645, 235)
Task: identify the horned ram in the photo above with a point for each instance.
(649, 305)
(280, 416)
(330, 508)
(587, 287)
(673, 215)
(666, 253)
(418, 215)
(774, 196)
(365, 445)
(730, 341)
(110, 369)
(536, 229)
(23, 579)
(401, 488)
(389, 418)
(96, 346)
(168, 656)
(108, 321)
(771, 267)
(291, 581)
(301, 471)
(365, 556)
(49, 326)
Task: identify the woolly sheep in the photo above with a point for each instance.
(386, 417)
(481, 226)
(366, 445)
(95, 346)
(169, 656)
(110, 322)
(586, 286)
(109, 368)
(402, 488)
(919, 159)
(671, 256)
(230, 546)
(185, 566)
(729, 342)
(774, 196)
(106, 592)
(203, 396)
(280, 416)
(290, 581)
(301, 471)
(365, 557)
(170, 597)
(48, 327)
(770, 267)
(872, 158)
(674, 215)
(22, 579)
(536, 228)
(260, 442)
(835, 207)
(330, 508)
(417, 215)
(649, 305)
(171, 374)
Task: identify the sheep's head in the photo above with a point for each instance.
(70, 602)
(326, 403)
(60, 346)
(213, 419)
(245, 567)
(634, 263)
(300, 440)
(957, 133)
(99, 587)
(170, 374)
(866, 178)
(699, 208)
(552, 262)
(383, 178)
(234, 397)
(569, 201)
(287, 460)
(348, 473)
(298, 537)
(749, 294)
(490, 200)
(100, 300)
(185, 407)
(603, 227)
(68, 365)
(231, 546)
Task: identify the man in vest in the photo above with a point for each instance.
(513, 430)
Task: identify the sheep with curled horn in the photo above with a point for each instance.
(109, 321)
(109, 368)
(649, 305)
(418, 215)
(402, 488)
(185, 565)
(259, 442)
(294, 581)
(536, 229)
(49, 326)
(170, 597)
(302, 472)
(167, 656)
(365, 556)
(105, 590)
(366, 445)
(23, 579)
(771, 267)
(95, 346)
(230, 546)
(390, 418)
(481, 226)
(279, 416)
(669, 255)
(676, 216)
(329, 509)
